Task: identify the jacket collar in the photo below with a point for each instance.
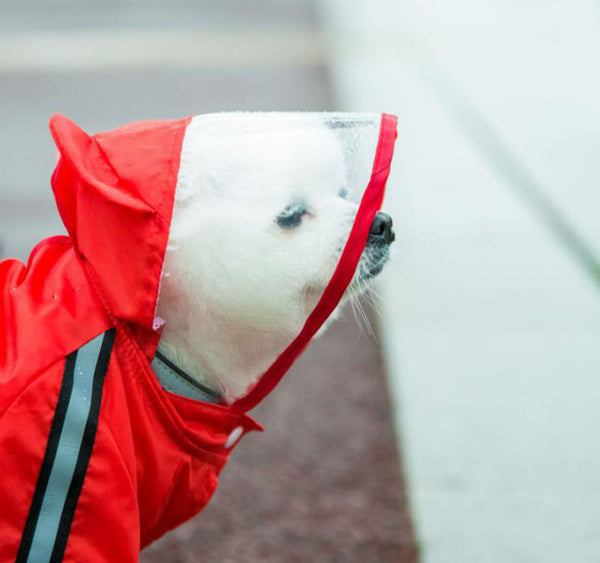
(175, 380)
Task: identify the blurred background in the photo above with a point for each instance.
(468, 430)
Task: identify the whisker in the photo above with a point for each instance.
(352, 304)
(361, 310)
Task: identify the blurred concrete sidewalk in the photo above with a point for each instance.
(492, 314)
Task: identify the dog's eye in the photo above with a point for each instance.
(291, 216)
(343, 193)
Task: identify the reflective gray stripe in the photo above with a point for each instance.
(67, 452)
(175, 383)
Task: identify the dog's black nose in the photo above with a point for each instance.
(381, 230)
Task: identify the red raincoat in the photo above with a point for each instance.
(97, 460)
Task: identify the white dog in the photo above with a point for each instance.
(99, 431)
(258, 227)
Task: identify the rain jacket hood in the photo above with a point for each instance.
(89, 440)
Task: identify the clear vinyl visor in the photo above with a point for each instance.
(264, 206)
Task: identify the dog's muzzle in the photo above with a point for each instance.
(381, 233)
(377, 251)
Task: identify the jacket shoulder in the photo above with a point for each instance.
(48, 308)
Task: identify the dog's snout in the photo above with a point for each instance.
(381, 230)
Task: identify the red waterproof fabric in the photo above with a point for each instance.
(156, 456)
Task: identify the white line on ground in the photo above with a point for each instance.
(151, 49)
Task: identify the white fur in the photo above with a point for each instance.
(237, 287)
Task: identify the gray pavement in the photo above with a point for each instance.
(19, 16)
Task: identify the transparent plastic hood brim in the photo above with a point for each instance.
(371, 202)
(272, 214)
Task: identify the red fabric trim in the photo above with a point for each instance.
(369, 205)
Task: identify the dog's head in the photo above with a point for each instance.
(260, 222)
